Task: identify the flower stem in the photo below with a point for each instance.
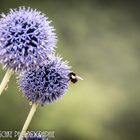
(5, 80)
(28, 120)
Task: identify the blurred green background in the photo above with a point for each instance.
(101, 39)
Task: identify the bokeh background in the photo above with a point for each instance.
(101, 40)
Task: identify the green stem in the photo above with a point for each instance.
(5, 80)
(28, 120)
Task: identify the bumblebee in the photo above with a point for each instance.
(74, 78)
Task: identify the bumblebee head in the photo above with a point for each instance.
(74, 78)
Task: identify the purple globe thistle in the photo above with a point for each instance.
(34, 136)
(26, 38)
(46, 83)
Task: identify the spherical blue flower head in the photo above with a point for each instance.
(46, 83)
(34, 136)
(26, 38)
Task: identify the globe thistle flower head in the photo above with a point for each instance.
(26, 38)
(45, 84)
(34, 136)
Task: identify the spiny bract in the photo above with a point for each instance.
(46, 83)
(26, 38)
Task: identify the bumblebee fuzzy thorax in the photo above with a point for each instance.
(74, 78)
